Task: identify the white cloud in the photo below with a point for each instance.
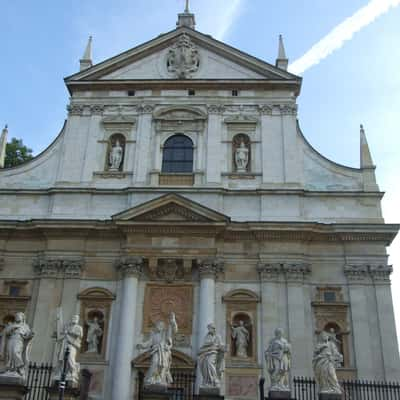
(335, 39)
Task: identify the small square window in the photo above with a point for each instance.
(235, 93)
(191, 92)
(14, 291)
(131, 93)
(329, 297)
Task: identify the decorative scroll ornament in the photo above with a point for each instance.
(183, 58)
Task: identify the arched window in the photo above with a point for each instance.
(178, 155)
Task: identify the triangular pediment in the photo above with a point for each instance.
(204, 58)
(170, 208)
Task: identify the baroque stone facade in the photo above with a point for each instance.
(181, 182)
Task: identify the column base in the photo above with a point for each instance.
(330, 396)
(209, 394)
(12, 388)
(279, 395)
(69, 393)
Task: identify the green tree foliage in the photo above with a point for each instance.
(17, 153)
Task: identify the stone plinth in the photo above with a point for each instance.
(330, 396)
(12, 388)
(69, 393)
(279, 395)
(157, 392)
(210, 394)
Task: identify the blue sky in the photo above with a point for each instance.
(42, 41)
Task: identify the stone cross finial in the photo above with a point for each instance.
(187, 6)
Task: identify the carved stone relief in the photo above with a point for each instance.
(183, 59)
(170, 269)
(162, 299)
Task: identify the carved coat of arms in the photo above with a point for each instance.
(183, 58)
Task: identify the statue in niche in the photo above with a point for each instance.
(70, 337)
(160, 347)
(241, 337)
(241, 157)
(278, 357)
(115, 156)
(326, 359)
(17, 337)
(94, 335)
(211, 359)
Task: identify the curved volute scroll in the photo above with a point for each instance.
(180, 361)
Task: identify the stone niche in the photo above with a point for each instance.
(95, 318)
(241, 314)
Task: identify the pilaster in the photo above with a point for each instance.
(214, 129)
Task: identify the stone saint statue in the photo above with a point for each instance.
(278, 357)
(211, 359)
(70, 337)
(160, 346)
(241, 157)
(16, 347)
(241, 337)
(115, 157)
(325, 361)
(94, 334)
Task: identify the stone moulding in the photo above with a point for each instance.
(378, 273)
(68, 268)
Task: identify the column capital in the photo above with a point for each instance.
(270, 271)
(210, 267)
(145, 108)
(58, 267)
(380, 273)
(215, 109)
(130, 266)
(356, 273)
(297, 272)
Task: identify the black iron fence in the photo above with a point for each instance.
(182, 387)
(306, 389)
(38, 381)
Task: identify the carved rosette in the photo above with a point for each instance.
(130, 266)
(210, 268)
(58, 267)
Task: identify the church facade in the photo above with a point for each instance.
(181, 182)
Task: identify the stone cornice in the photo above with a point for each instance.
(255, 231)
(210, 268)
(58, 267)
(364, 273)
(130, 266)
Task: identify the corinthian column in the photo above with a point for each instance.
(130, 269)
(208, 270)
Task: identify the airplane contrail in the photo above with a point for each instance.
(335, 39)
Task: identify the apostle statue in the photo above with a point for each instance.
(326, 359)
(16, 347)
(278, 357)
(94, 334)
(211, 359)
(160, 347)
(241, 337)
(241, 157)
(70, 337)
(115, 157)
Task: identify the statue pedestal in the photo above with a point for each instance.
(209, 394)
(70, 393)
(12, 388)
(330, 396)
(157, 392)
(279, 395)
